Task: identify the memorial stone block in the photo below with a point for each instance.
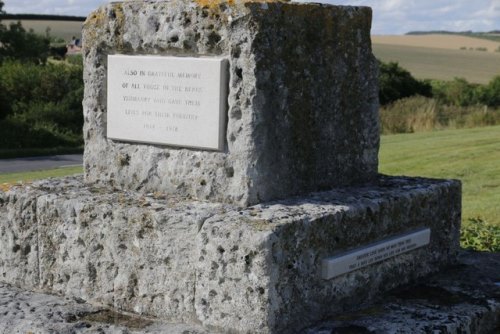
(206, 123)
(297, 114)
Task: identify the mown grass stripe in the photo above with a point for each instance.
(471, 155)
(8, 179)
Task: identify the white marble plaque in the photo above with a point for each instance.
(373, 253)
(177, 101)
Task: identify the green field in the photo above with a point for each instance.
(7, 179)
(442, 64)
(471, 155)
(62, 29)
(490, 36)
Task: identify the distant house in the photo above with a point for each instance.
(74, 47)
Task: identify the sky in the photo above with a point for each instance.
(390, 16)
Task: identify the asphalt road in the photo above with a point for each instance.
(39, 163)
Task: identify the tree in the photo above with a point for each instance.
(26, 46)
(396, 83)
(17, 43)
(491, 93)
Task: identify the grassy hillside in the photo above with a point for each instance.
(493, 35)
(442, 64)
(439, 41)
(62, 29)
(471, 155)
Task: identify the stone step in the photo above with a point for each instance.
(257, 269)
(464, 298)
(37, 313)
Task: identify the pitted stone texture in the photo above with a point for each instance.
(302, 103)
(461, 299)
(267, 260)
(37, 313)
(464, 298)
(19, 237)
(253, 270)
(124, 250)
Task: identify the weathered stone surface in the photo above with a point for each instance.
(302, 104)
(125, 250)
(31, 312)
(464, 298)
(242, 270)
(270, 254)
(19, 238)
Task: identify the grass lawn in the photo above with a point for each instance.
(8, 179)
(471, 155)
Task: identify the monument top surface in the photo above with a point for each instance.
(289, 108)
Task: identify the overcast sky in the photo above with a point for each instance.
(390, 16)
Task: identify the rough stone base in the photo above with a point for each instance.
(38, 313)
(464, 298)
(241, 270)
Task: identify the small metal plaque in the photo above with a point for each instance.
(179, 101)
(373, 253)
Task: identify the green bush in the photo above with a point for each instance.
(396, 83)
(76, 59)
(17, 134)
(40, 105)
(417, 113)
(490, 94)
(18, 82)
(457, 92)
(478, 235)
(29, 82)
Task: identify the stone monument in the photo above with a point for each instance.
(230, 173)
